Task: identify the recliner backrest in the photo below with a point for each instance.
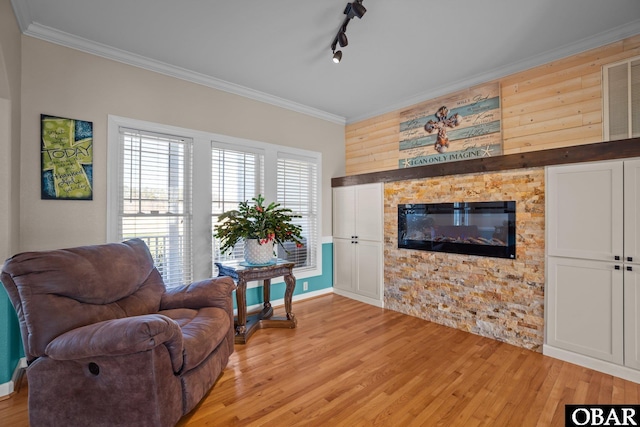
(59, 290)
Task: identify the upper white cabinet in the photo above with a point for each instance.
(585, 211)
(632, 211)
(357, 212)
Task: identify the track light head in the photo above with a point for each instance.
(337, 56)
(355, 9)
(358, 9)
(342, 39)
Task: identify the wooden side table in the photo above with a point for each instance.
(246, 325)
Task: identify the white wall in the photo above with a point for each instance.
(9, 129)
(64, 82)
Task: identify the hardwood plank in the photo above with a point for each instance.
(352, 364)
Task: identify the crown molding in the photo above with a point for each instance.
(610, 36)
(68, 40)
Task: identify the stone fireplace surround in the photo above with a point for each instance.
(493, 297)
(498, 298)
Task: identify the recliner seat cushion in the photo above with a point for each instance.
(202, 331)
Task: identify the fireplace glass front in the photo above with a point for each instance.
(472, 228)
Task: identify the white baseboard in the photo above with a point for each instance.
(299, 297)
(366, 300)
(591, 363)
(8, 387)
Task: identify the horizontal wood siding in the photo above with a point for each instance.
(555, 105)
(372, 144)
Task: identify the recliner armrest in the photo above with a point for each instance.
(118, 337)
(215, 292)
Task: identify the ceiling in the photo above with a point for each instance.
(400, 53)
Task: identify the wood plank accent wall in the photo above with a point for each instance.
(555, 105)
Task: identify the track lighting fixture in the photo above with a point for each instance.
(355, 9)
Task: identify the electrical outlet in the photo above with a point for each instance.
(305, 286)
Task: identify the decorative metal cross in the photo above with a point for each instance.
(442, 141)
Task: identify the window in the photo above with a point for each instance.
(236, 176)
(622, 99)
(154, 199)
(168, 186)
(297, 190)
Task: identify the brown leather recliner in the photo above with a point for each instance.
(107, 344)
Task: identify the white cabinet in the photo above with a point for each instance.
(585, 210)
(632, 211)
(357, 242)
(585, 307)
(632, 317)
(357, 212)
(632, 264)
(593, 291)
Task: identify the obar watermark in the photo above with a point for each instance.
(602, 415)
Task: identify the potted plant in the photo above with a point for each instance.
(261, 227)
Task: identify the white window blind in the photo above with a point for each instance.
(297, 189)
(236, 176)
(155, 199)
(622, 99)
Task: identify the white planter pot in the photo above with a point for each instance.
(257, 254)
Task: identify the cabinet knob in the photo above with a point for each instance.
(617, 258)
(629, 268)
(617, 267)
(629, 259)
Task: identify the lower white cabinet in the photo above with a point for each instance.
(632, 317)
(357, 267)
(585, 308)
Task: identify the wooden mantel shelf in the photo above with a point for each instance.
(620, 149)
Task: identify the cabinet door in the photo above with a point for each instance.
(368, 270)
(632, 211)
(369, 216)
(344, 212)
(585, 308)
(585, 210)
(632, 316)
(343, 262)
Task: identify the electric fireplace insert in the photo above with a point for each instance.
(472, 228)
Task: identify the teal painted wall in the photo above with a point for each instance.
(316, 283)
(10, 342)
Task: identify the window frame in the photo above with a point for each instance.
(201, 250)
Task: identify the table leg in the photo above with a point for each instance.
(290, 281)
(241, 302)
(266, 292)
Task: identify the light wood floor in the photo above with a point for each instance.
(351, 364)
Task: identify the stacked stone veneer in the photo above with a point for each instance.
(493, 297)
